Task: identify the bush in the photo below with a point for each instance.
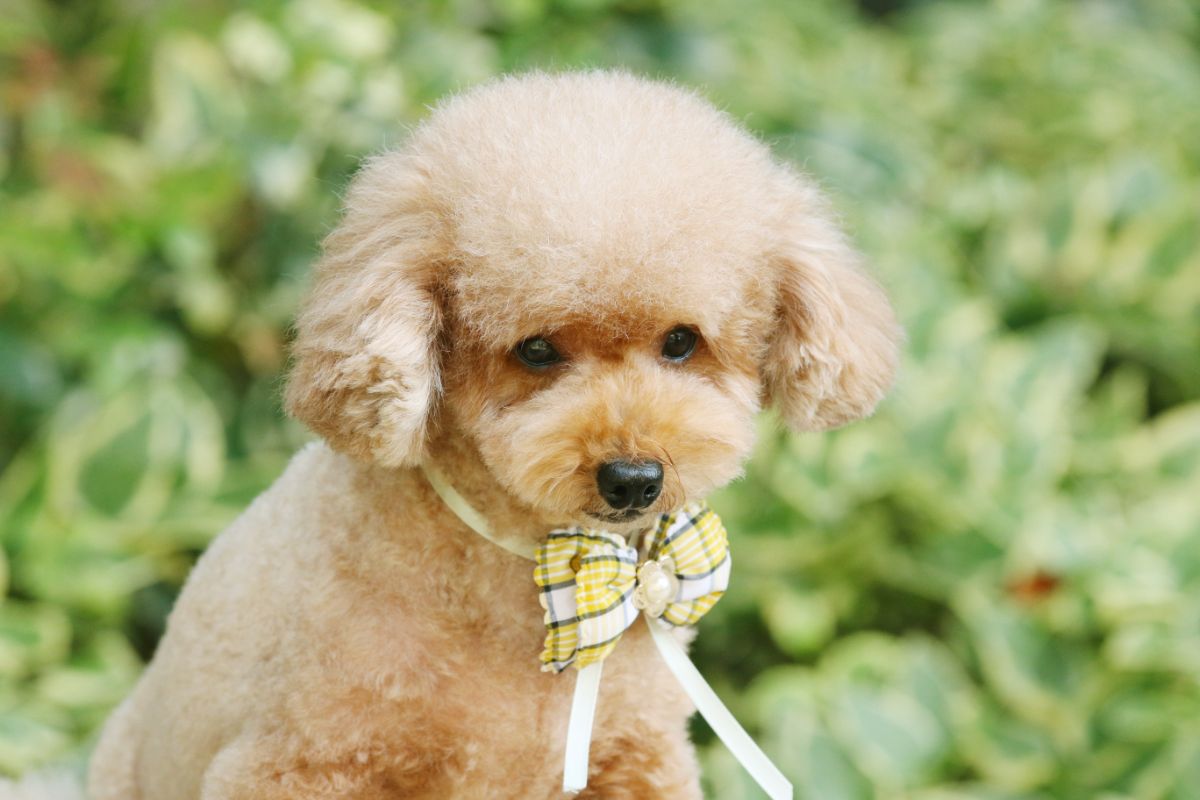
(989, 590)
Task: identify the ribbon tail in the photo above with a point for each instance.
(579, 728)
(718, 717)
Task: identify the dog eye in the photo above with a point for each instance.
(537, 352)
(679, 344)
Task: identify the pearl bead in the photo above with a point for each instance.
(657, 588)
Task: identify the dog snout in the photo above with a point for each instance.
(629, 484)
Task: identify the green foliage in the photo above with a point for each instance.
(989, 590)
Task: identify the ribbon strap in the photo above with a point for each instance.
(718, 717)
(579, 728)
(467, 513)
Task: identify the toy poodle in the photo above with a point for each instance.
(569, 294)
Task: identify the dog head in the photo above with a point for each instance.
(598, 280)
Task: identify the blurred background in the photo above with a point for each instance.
(989, 590)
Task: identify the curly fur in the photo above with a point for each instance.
(348, 637)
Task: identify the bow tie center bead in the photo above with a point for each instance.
(657, 587)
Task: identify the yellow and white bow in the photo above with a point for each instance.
(592, 586)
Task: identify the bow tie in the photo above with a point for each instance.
(592, 586)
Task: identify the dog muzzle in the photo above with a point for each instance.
(594, 586)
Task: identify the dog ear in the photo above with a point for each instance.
(365, 370)
(834, 350)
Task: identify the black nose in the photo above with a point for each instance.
(624, 484)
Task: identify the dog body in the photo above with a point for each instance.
(559, 279)
(360, 666)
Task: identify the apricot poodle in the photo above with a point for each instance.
(570, 294)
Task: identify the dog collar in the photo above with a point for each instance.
(469, 516)
(593, 588)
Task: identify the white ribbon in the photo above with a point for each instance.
(718, 717)
(587, 680)
(579, 728)
(467, 513)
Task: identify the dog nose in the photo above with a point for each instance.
(625, 484)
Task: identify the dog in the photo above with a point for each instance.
(570, 294)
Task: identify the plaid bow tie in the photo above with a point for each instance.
(592, 586)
